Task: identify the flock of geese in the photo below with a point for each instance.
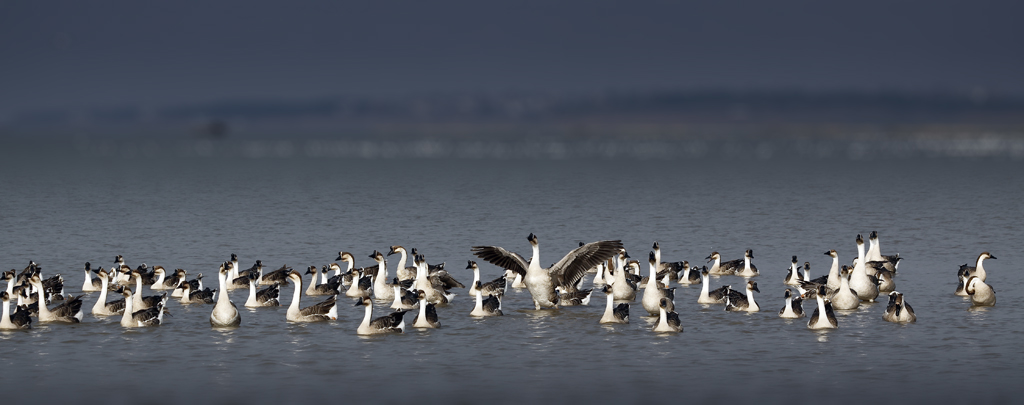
(422, 287)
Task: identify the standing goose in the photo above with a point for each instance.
(654, 293)
(225, 313)
(793, 276)
(494, 287)
(69, 311)
(898, 310)
(20, 320)
(491, 306)
(823, 316)
(102, 307)
(427, 317)
(323, 311)
(147, 317)
(720, 268)
(748, 270)
(668, 321)
(982, 295)
(614, 313)
(267, 297)
(737, 302)
(391, 323)
(860, 281)
(793, 309)
(541, 282)
(91, 284)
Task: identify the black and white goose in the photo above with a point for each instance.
(225, 313)
(435, 285)
(742, 302)
(748, 269)
(877, 260)
(91, 284)
(269, 296)
(69, 311)
(167, 282)
(793, 276)
(623, 287)
(720, 268)
(391, 323)
(982, 295)
(962, 275)
(427, 317)
(793, 308)
(898, 310)
(668, 271)
(690, 275)
(319, 312)
(102, 307)
(654, 292)
(845, 298)
(668, 320)
(494, 287)
(830, 281)
(204, 296)
(403, 272)
(404, 297)
(865, 285)
(978, 270)
(141, 302)
(362, 284)
(381, 287)
(886, 282)
(614, 313)
(573, 298)
(315, 290)
(153, 316)
(566, 272)
(195, 284)
(707, 297)
(279, 276)
(491, 306)
(823, 317)
(255, 271)
(20, 320)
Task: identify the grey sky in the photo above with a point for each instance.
(74, 53)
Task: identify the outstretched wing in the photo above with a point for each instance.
(500, 257)
(574, 265)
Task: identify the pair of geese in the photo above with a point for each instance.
(972, 282)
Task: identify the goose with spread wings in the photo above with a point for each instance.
(566, 273)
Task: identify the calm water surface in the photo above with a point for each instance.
(192, 213)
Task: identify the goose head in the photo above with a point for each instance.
(788, 294)
(985, 255)
(234, 257)
(713, 256)
(422, 295)
(345, 257)
(607, 289)
(377, 256)
(294, 276)
(860, 240)
(752, 285)
(663, 303)
(363, 302)
(472, 265)
(532, 239)
(749, 254)
(125, 291)
(311, 270)
(832, 253)
(873, 235)
(396, 250)
(656, 246)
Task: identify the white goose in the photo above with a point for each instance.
(668, 321)
(69, 311)
(541, 282)
(654, 293)
(614, 313)
(427, 317)
(147, 317)
(20, 320)
(710, 297)
(381, 289)
(391, 323)
(845, 298)
(748, 270)
(102, 307)
(402, 272)
(91, 284)
(982, 295)
(860, 281)
(793, 276)
(485, 307)
(225, 313)
(267, 297)
(494, 287)
(823, 316)
(323, 311)
(623, 288)
(793, 309)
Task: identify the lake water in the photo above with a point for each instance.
(64, 206)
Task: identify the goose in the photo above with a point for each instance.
(195, 284)
(224, 313)
(690, 275)
(614, 313)
(146, 274)
(20, 320)
(122, 275)
(494, 287)
(163, 282)
(823, 316)
(391, 323)
(427, 317)
(344, 276)
(898, 310)
(982, 295)
(573, 298)
(793, 309)
(267, 297)
(978, 270)
(403, 272)
(322, 311)
(241, 281)
(404, 299)
(141, 302)
(434, 285)
(874, 255)
(491, 306)
(748, 270)
(961, 274)
(102, 307)
(431, 268)
(234, 273)
(735, 301)
(256, 269)
(381, 289)
(204, 296)
(517, 279)
(146, 317)
(541, 282)
(315, 290)
(845, 298)
(668, 271)
(91, 284)
(369, 271)
(793, 276)
(886, 282)
(623, 288)
(710, 297)
(860, 281)
(721, 268)
(361, 285)
(668, 320)
(278, 276)
(830, 281)
(600, 273)
(654, 293)
(10, 278)
(69, 311)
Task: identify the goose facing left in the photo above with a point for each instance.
(152, 316)
(565, 273)
(391, 323)
(68, 311)
(20, 320)
(319, 312)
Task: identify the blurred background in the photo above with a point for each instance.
(456, 78)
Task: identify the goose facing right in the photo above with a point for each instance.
(152, 316)
(737, 302)
(427, 317)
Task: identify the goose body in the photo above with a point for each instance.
(146, 317)
(886, 282)
(102, 307)
(164, 282)
(653, 293)
(982, 295)
(736, 302)
(877, 260)
(720, 268)
(792, 309)
(404, 299)
(391, 323)
(860, 281)
(710, 297)
(962, 276)
(91, 284)
(623, 288)
(402, 272)
(491, 306)
(668, 321)
(689, 275)
(614, 313)
(748, 270)
(323, 311)
(267, 297)
(573, 298)
(225, 313)
(495, 287)
(381, 289)
(845, 298)
(823, 316)
(20, 320)
(427, 317)
(314, 289)
(793, 276)
(194, 284)
(898, 310)
(69, 311)
(141, 302)
(204, 296)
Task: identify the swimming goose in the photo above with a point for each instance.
(668, 320)
(147, 275)
(234, 273)
(614, 313)
(256, 269)
(623, 288)
(361, 285)
(978, 270)
(346, 275)
(322, 289)
(322, 311)
(654, 293)
(830, 281)
(735, 301)
(20, 320)
(710, 297)
(874, 255)
(566, 272)
(427, 317)
(141, 302)
(431, 268)
(278, 276)
(102, 307)
(982, 295)
(225, 313)
(793, 309)
(860, 281)
(573, 298)
(898, 310)
(962, 275)
(690, 275)
(494, 287)
(886, 282)
(600, 273)
(381, 288)
(823, 316)
(267, 297)
(204, 296)
(195, 285)
(122, 275)
(391, 323)
(491, 306)
(435, 285)
(845, 298)
(793, 276)
(404, 299)
(721, 268)
(163, 282)
(748, 269)
(145, 317)
(403, 272)
(90, 284)
(69, 311)
(668, 271)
